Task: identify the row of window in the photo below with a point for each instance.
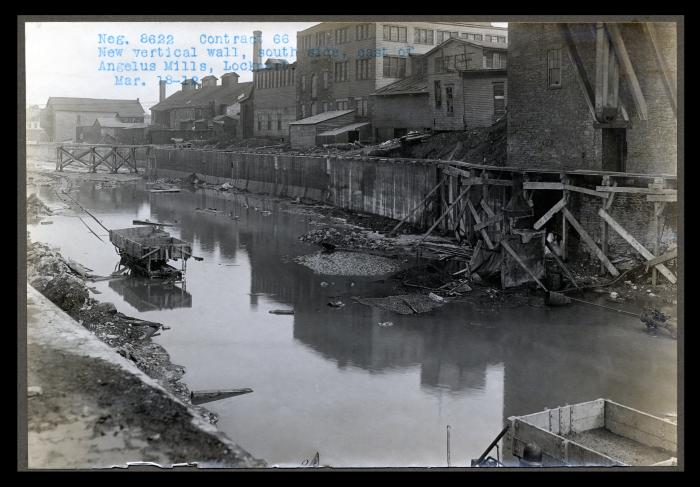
(392, 33)
(269, 123)
(274, 78)
(489, 60)
(499, 98)
(314, 108)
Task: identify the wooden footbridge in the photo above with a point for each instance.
(492, 209)
(93, 156)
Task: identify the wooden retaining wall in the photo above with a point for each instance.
(385, 187)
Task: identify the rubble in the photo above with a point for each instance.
(36, 208)
(405, 304)
(348, 264)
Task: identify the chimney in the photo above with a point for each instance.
(229, 79)
(189, 85)
(257, 45)
(209, 81)
(161, 88)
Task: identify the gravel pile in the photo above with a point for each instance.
(348, 264)
(348, 239)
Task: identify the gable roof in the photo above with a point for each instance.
(484, 45)
(321, 117)
(220, 95)
(124, 108)
(416, 84)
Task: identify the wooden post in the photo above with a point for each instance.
(589, 241)
(517, 258)
(628, 68)
(442, 217)
(564, 239)
(601, 69)
(604, 237)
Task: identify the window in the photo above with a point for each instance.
(443, 35)
(341, 35)
(362, 69)
(439, 65)
(279, 121)
(259, 121)
(303, 83)
(314, 108)
(501, 39)
(325, 80)
(449, 101)
(341, 71)
(423, 36)
(362, 32)
(488, 59)
(499, 99)
(314, 85)
(438, 95)
(464, 35)
(269, 121)
(478, 37)
(394, 67)
(361, 106)
(341, 104)
(394, 33)
(554, 68)
(320, 38)
(487, 38)
(303, 111)
(324, 106)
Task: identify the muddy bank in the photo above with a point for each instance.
(52, 275)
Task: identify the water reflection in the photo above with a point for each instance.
(148, 295)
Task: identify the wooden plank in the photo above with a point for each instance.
(673, 254)
(550, 213)
(542, 185)
(640, 426)
(589, 241)
(601, 69)
(661, 63)
(552, 445)
(517, 258)
(485, 223)
(477, 219)
(453, 171)
(423, 201)
(671, 198)
(492, 182)
(443, 215)
(578, 455)
(630, 189)
(587, 191)
(628, 69)
(635, 244)
(579, 69)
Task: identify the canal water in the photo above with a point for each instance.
(331, 380)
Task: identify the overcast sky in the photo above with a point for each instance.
(62, 57)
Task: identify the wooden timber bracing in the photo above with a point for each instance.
(113, 157)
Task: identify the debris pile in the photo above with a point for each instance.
(348, 264)
(348, 239)
(36, 208)
(55, 278)
(405, 304)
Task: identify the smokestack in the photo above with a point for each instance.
(257, 45)
(161, 88)
(229, 79)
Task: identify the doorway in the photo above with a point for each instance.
(615, 149)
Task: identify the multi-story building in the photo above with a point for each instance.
(62, 116)
(340, 64)
(458, 85)
(275, 99)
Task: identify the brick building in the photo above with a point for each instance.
(599, 97)
(62, 116)
(275, 102)
(557, 118)
(341, 64)
(457, 85)
(194, 105)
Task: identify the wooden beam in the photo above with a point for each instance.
(517, 258)
(601, 69)
(579, 69)
(550, 213)
(427, 196)
(630, 189)
(561, 264)
(589, 241)
(672, 198)
(628, 69)
(542, 185)
(673, 254)
(635, 244)
(485, 224)
(477, 219)
(492, 182)
(443, 215)
(661, 64)
(587, 191)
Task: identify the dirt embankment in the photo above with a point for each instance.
(51, 275)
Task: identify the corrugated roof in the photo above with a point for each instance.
(416, 84)
(321, 117)
(346, 128)
(108, 122)
(125, 108)
(220, 95)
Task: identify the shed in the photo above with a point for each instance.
(346, 133)
(304, 133)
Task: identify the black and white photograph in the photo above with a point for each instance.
(350, 243)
